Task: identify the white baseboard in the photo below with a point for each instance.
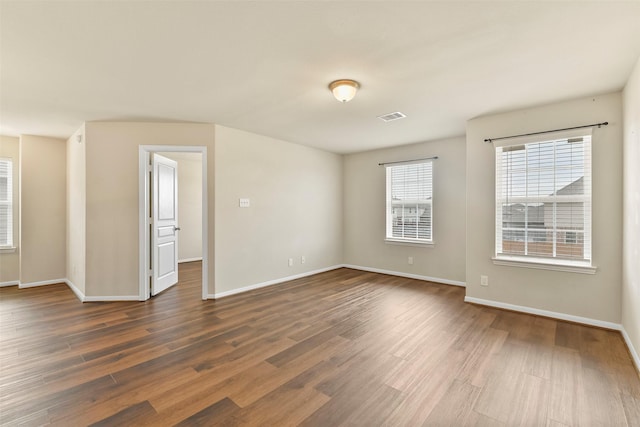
(42, 283)
(10, 283)
(79, 294)
(111, 298)
(632, 350)
(545, 313)
(270, 282)
(180, 261)
(334, 267)
(83, 298)
(407, 275)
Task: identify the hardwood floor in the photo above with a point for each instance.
(340, 348)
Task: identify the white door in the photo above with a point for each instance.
(164, 220)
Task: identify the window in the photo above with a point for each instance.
(6, 203)
(543, 200)
(410, 202)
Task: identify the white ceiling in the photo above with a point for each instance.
(264, 66)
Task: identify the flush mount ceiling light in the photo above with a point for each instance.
(344, 90)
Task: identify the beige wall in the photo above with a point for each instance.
(189, 205)
(112, 198)
(596, 296)
(76, 209)
(43, 209)
(296, 209)
(631, 213)
(364, 212)
(10, 262)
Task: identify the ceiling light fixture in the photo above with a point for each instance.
(344, 90)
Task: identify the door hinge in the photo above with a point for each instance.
(149, 168)
(150, 273)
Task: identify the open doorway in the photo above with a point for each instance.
(191, 227)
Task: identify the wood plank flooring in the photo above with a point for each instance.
(340, 348)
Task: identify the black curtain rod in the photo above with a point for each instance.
(546, 131)
(407, 161)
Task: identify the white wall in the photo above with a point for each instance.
(112, 198)
(631, 212)
(596, 297)
(76, 209)
(364, 212)
(189, 205)
(296, 209)
(43, 197)
(10, 261)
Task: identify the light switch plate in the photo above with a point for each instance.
(245, 203)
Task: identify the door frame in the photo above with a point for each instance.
(144, 244)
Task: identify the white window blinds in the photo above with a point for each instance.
(6, 203)
(410, 202)
(543, 198)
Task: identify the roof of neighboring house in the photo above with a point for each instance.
(576, 187)
(516, 213)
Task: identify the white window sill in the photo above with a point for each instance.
(7, 249)
(545, 265)
(415, 243)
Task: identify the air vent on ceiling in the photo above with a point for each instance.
(392, 116)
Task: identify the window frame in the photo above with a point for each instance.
(389, 204)
(539, 261)
(6, 164)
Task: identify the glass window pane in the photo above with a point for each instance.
(424, 221)
(411, 189)
(4, 189)
(6, 202)
(546, 189)
(4, 225)
(570, 244)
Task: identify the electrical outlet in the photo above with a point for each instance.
(290, 262)
(302, 259)
(410, 260)
(484, 280)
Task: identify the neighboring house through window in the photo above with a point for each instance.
(543, 199)
(6, 203)
(410, 202)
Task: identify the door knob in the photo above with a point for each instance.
(176, 228)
